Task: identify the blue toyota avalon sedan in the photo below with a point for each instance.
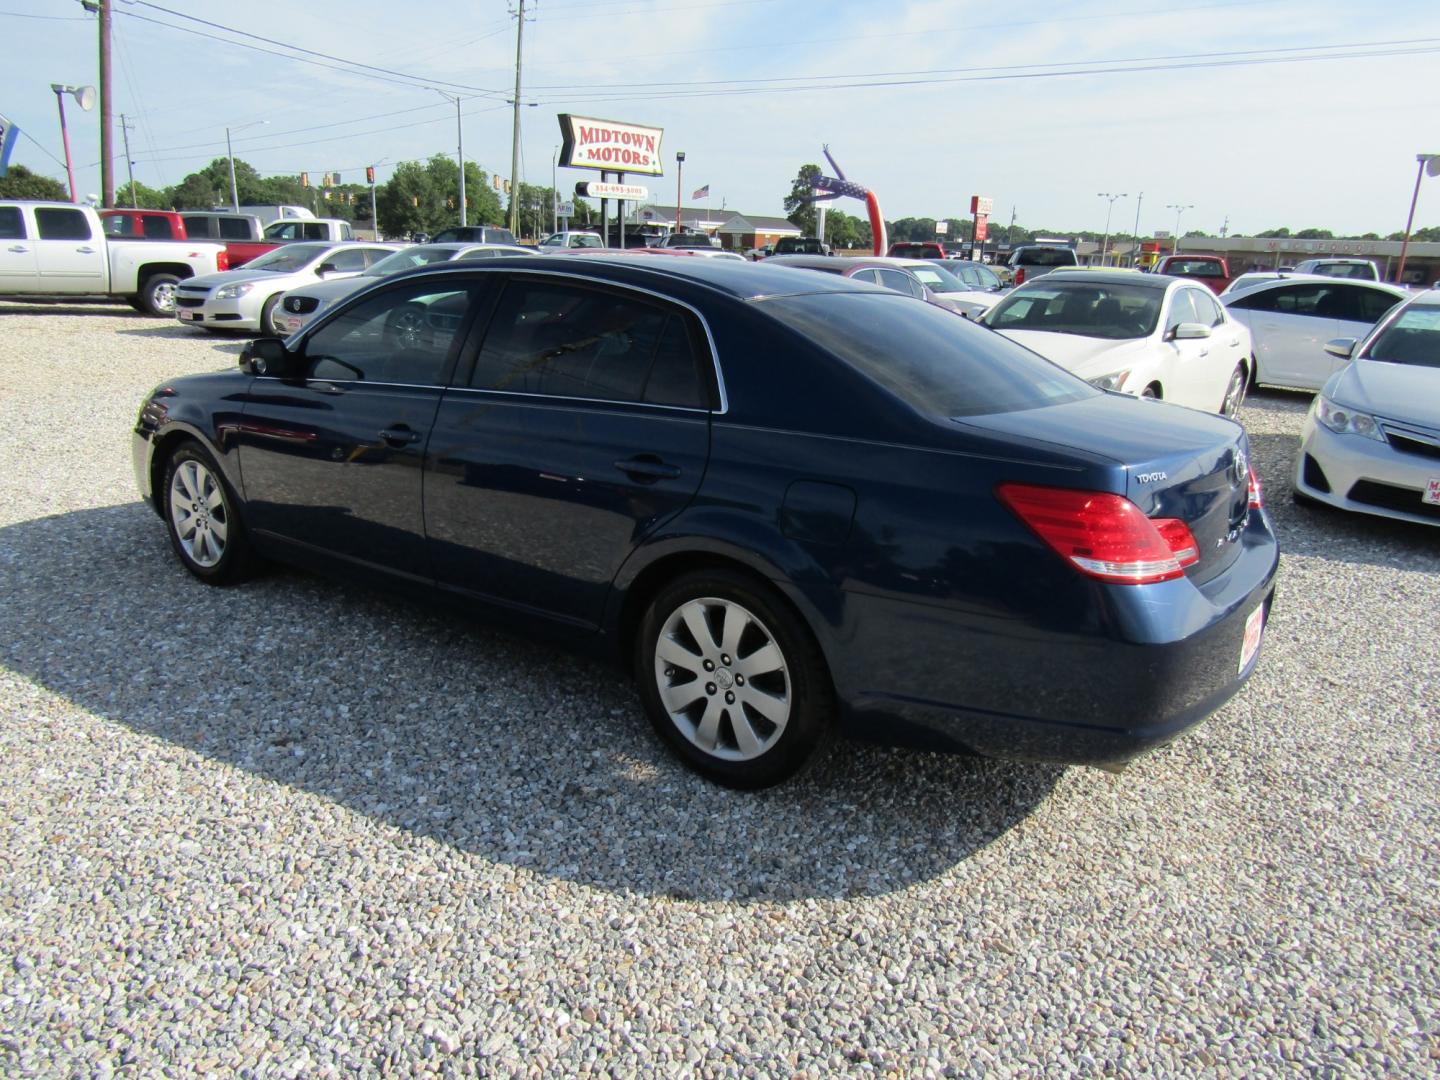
(789, 503)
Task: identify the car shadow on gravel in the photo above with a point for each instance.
(437, 725)
(230, 343)
(64, 307)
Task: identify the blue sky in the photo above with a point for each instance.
(919, 100)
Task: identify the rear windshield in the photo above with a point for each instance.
(930, 358)
(1044, 257)
(1194, 267)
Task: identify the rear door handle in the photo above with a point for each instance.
(86, 250)
(400, 435)
(648, 468)
(19, 249)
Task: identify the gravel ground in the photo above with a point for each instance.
(299, 829)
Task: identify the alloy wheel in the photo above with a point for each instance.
(198, 513)
(723, 679)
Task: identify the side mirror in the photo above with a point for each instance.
(326, 268)
(1341, 347)
(1190, 331)
(268, 356)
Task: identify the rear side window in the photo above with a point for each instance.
(564, 340)
(197, 227)
(157, 228)
(55, 223)
(938, 364)
(12, 223)
(121, 225)
(1288, 300)
(233, 229)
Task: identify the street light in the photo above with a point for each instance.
(85, 98)
(1429, 163)
(234, 192)
(459, 148)
(1135, 252)
(1105, 244)
(1179, 209)
(679, 172)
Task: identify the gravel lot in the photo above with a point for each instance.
(299, 829)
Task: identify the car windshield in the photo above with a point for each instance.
(409, 259)
(288, 257)
(1114, 312)
(1413, 338)
(939, 279)
(924, 355)
(1044, 257)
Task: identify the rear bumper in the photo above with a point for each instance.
(1151, 662)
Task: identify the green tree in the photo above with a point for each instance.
(422, 197)
(141, 197)
(20, 183)
(798, 207)
(1274, 234)
(1314, 234)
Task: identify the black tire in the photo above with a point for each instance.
(215, 549)
(157, 295)
(749, 748)
(1234, 392)
(407, 327)
(267, 317)
(1151, 391)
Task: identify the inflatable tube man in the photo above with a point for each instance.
(833, 187)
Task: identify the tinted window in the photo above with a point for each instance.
(348, 261)
(869, 277)
(402, 335)
(1109, 311)
(1308, 299)
(1043, 257)
(570, 341)
(12, 223)
(57, 224)
(234, 229)
(122, 225)
(1370, 305)
(1194, 268)
(158, 228)
(988, 278)
(900, 282)
(926, 356)
(198, 226)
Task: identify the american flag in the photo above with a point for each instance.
(702, 193)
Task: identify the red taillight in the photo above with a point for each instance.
(1104, 536)
(222, 261)
(1020, 276)
(1257, 497)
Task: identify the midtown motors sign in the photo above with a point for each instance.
(610, 146)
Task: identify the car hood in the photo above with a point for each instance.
(1396, 391)
(1085, 356)
(230, 277)
(972, 296)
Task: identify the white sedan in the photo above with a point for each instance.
(1292, 317)
(1371, 442)
(1144, 334)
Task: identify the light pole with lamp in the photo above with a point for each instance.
(1179, 209)
(229, 153)
(679, 172)
(1105, 244)
(1429, 163)
(554, 194)
(84, 97)
(1135, 254)
(459, 148)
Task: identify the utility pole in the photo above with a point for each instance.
(125, 127)
(1135, 255)
(107, 163)
(515, 131)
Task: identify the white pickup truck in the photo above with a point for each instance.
(58, 249)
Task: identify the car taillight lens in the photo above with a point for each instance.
(1257, 497)
(1104, 536)
(1020, 276)
(222, 261)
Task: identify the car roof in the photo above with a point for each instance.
(1109, 277)
(738, 278)
(839, 263)
(1292, 278)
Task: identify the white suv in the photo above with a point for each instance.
(1363, 269)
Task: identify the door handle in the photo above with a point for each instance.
(400, 435)
(1204, 352)
(19, 249)
(647, 468)
(86, 250)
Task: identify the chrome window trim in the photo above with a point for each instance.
(449, 269)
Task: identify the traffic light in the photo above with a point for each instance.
(304, 179)
(370, 174)
(495, 182)
(507, 187)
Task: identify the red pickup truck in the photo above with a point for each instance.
(1211, 269)
(240, 233)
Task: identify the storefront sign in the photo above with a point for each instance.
(982, 204)
(610, 146)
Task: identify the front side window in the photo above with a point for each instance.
(347, 261)
(12, 223)
(1207, 311)
(1413, 338)
(566, 340)
(55, 223)
(1182, 310)
(401, 335)
(901, 282)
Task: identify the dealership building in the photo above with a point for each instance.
(734, 230)
(1422, 260)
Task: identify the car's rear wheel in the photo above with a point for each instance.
(1234, 392)
(200, 517)
(732, 679)
(1151, 391)
(157, 294)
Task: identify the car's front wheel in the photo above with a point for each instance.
(200, 517)
(732, 680)
(1234, 392)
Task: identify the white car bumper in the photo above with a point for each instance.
(240, 313)
(1351, 472)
